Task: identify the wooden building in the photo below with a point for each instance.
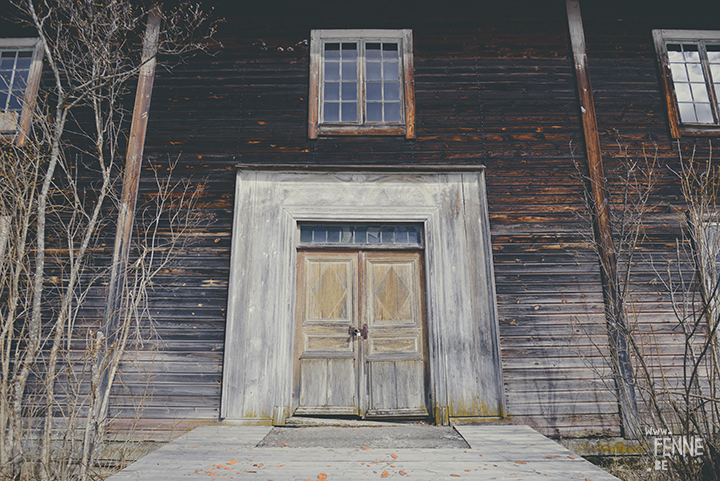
(398, 209)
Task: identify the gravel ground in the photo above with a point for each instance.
(409, 436)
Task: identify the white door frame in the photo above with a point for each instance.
(463, 341)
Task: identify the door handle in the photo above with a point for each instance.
(364, 331)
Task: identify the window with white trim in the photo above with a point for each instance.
(361, 82)
(20, 69)
(690, 64)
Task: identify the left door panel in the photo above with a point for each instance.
(326, 371)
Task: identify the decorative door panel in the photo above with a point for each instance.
(360, 335)
(328, 367)
(393, 311)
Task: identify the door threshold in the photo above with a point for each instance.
(302, 421)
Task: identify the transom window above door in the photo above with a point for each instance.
(361, 82)
(385, 236)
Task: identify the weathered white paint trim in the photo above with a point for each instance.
(4, 234)
(463, 339)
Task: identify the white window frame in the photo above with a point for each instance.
(316, 126)
(19, 133)
(661, 38)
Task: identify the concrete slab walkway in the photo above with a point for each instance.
(222, 453)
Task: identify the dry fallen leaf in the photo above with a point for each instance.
(455, 475)
(234, 461)
(394, 456)
(402, 473)
(384, 474)
(322, 477)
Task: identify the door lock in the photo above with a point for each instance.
(354, 331)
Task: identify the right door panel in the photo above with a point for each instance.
(393, 310)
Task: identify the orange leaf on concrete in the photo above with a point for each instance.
(384, 474)
(402, 473)
(322, 477)
(455, 475)
(394, 456)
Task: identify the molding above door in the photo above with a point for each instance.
(463, 342)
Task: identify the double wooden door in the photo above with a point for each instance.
(360, 339)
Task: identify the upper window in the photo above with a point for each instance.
(20, 68)
(690, 62)
(361, 82)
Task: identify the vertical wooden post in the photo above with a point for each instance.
(131, 180)
(614, 310)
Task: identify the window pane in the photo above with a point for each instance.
(704, 113)
(392, 112)
(332, 91)
(390, 51)
(3, 100)
(715, 73)
(349, 71)
(687, 112)
(23, 62)
(695, 73)
(713, 52)
(21, 77)
(414, 235)
(372, 51)
(331, 112)
(390, 70)
(333, 234)
(374, 112)
(674, 52)
(401, 235)
(15, 102)
(699, 92)
(332, 70)
(392, 91)
(347, 234)
(349, 51)
(349, 91)
(372, 70)
(306, 233)
(332, 51)
(691, 53)
(8, 61)
(374, 91)
(387, 234)
(361, 234)
(5, 76)
(373, 235)
(678, 72)
(682, 90)
(349, 112)
(319, 234)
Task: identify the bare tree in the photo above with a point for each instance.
(676, 383)
(57, 195)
